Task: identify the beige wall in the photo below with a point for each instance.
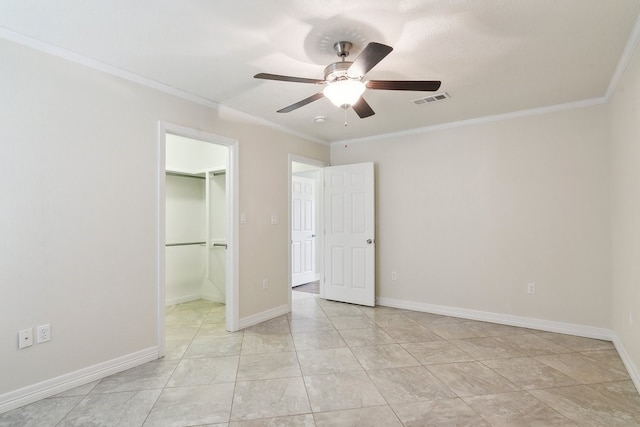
(79, 180)
(468, 216)
(625, 212)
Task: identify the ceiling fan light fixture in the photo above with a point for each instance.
(344, 92)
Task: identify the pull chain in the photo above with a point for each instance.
(345, 116)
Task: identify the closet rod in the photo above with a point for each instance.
(184, 175)
(186, 244)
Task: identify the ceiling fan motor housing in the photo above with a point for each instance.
(336, 71)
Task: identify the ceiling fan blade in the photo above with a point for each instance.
(363, 109)
(417, 85)
(368, 58)
(267, 76)
(302, 103)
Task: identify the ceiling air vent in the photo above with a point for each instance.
(431, 98)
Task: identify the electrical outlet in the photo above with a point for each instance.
(25, 338)
(531, 288)
(43, 333)
(243, 218)
(275, 220)
(394, 276)
(265, 284)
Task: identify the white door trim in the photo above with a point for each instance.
(231, 284)
(319, 224)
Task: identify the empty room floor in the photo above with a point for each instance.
(334, 364)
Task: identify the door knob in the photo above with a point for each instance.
(369, 241)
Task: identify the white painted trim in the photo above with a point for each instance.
(633, 371)
(77, 58)
(272, 313)
(319, 219)
(233, 188)
(627, 54)
(182, 299)
(41, 46)
(478, 121)
(32, 393)
(503, 319)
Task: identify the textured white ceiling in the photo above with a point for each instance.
(492, 56)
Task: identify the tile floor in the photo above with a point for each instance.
(333, 364)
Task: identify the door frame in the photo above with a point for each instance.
(231, 282)
(319, 219)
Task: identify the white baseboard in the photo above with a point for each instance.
(213, 298)
(180, 300)
(245, 322)
(631, 368)
(32, 393)
(504, 319)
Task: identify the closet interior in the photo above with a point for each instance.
(195, 218)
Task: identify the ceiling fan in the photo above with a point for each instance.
(343, 80)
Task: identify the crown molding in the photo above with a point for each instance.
(77, 58)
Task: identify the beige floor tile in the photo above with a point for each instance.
(352, 322)
(342, 310)
(580, 379)
(318, 340)
(311, 325)
(436, 413)
(267, 366)
(124, 408)
(305, 304)
(531, 344)
(471, 379)
(488, 329)
(276, 343)
(384, 356)
(279, 325)
(46, 412)
(391, 319)
(346, 390)
(592, 405)
(199, 405)
(328, 361)
(367, 336)
(576, 343)
(584, 368)
(411, 332)
(214, 347)
(407, 385)
(180, 333)
(430, 318)
(269, 398)
(452, 330)
(82, 390)
(214, 330)
(314, 313)
(215, 317)
(290, 421)
(437, 352)
(529, 373)
(152, 375)
(174, 350)
(486, 348)
(184, 317)
(375, 416)
(519, 408)
(203, 371)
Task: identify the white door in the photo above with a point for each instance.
(303, 231)
(349, 262)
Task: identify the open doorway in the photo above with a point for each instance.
(305, 213)
(197, 245)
